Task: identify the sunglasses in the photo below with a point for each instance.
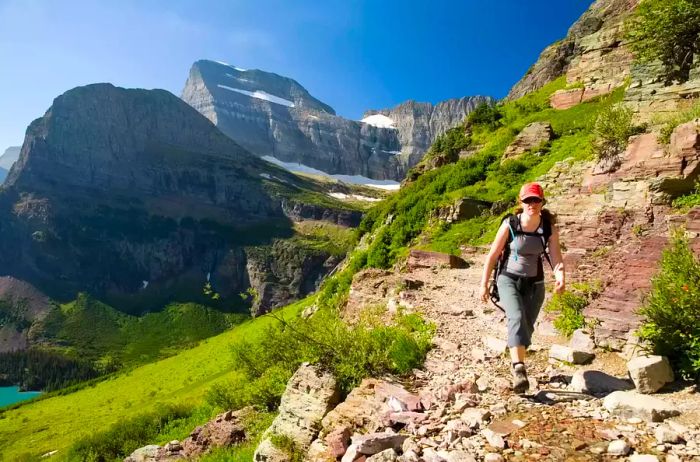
(532, 200)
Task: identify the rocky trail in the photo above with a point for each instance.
(459, 406)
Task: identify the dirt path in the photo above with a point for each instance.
(578, 428)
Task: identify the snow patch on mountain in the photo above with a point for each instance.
(259, 94)
(379, 120)
(232, 67)
(359, 197)
(352, 179)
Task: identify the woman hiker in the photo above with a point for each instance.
(523, 239)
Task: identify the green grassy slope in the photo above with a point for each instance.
(481, 176)
(56, 422)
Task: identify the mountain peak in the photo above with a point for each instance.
(228, 81)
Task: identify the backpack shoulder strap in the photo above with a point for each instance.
(546, 229)
(514, 225)
(546, 234)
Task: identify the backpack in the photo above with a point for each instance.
(515, 230)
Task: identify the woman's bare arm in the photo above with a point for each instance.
(496, 248)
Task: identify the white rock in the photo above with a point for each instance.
(493, 438)
(457, 456)
(351, 454)
(430, 455)
(595, 382)
(633, 404)
(568, 354)
(478, 354)
(388, 455)
(619, 448)
(474, 417)
(409, 456)
(493, 457)
(496, 345)
(144, 454)
(650, 373)
(643, 458)
(373, 443)
(582, 341)
(664, 434)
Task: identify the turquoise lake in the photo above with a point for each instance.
(11, 395)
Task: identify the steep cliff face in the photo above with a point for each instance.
(271, 115)
(419, 124)
(589, 53)
(134, 196)
(615, 222)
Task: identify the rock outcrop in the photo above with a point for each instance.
(420, 124)
(225, 430)
(531, 137)
(129, 194)
(591, 53)
(21, 305)
(275, 116)
(309, 395)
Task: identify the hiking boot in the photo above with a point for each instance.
(520, 381)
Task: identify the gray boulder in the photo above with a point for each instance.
(633, 404)
(582, 341)
(569, 355)
(309, 395)
(596, 382)
(650, 373)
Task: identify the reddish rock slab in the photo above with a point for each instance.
(405, 418)
(386, 391)
(225, 430)
(426, 259)
(564, 99)
(338, 441)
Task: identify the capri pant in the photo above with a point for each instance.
(522, 299)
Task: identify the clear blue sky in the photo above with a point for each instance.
(353, 55)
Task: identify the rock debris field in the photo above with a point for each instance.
(459, 406)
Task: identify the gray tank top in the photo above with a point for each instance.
(525, 254)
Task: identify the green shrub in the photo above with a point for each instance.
(368, 348)
(288, 446)
(569, 307)
(670, 123)
(667, 30)
(687, 202)
(672, 309)
(612, 129)
(485, 114)
(126, 436)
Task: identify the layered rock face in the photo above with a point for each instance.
(271, 115)
(419, 124)
(591, 52)
(134, 196)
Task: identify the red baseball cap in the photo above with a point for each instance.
(531, 190)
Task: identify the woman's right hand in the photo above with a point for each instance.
(484, 293)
